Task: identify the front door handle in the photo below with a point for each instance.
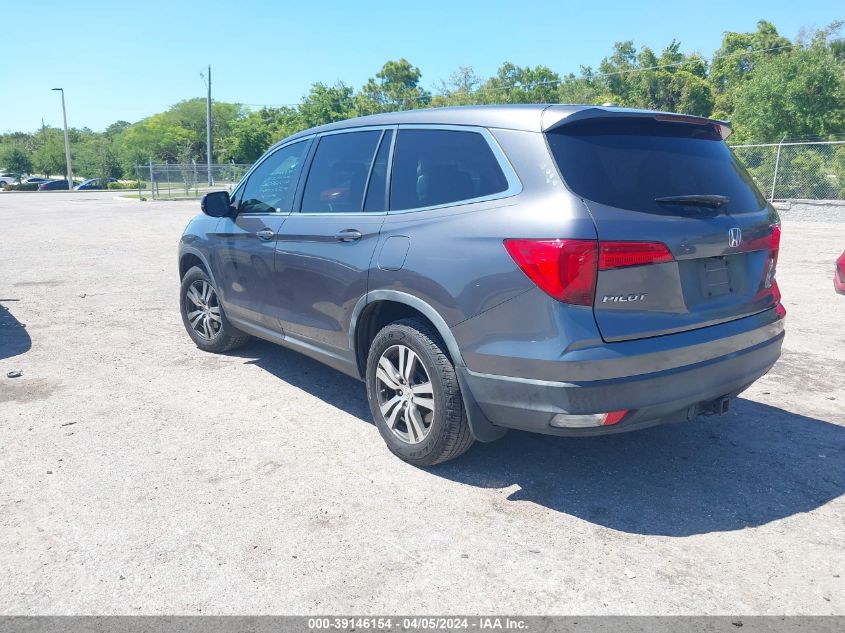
(348, 235)
(265, 234)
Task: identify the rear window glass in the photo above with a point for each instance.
(627, 163)
(433, 167)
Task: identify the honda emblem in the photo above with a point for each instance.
(734, 237)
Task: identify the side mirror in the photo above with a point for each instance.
(216, 204)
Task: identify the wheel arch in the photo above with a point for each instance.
(190, 257)
(378, 308)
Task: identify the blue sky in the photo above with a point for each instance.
(120, 60)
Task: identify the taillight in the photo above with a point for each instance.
(622, 254)
(769, 285)
(774, 248)
(563, 269)
(567, 269)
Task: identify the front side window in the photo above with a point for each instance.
(271, 187)
(435, 167)
(338, 175)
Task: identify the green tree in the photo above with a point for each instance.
(459, 89)
(16, 160)
(250, 136)
(395, 87)
(583, 88)
(737, 58)
(95, 158)
(162, 136)
(49, 157)
(795, 94)
(521, 84)
(673, 81)
(326, 104)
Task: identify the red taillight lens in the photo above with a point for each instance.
(622, 254)
(769, 285)
(564, 269)
(774, 248)
(614, 417)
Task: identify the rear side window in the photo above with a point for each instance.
(338, 175)
(434, 167)
(627, 163)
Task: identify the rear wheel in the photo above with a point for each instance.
(414, 395)
(203, 316)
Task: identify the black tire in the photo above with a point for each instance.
(223, 339)
(448, 434)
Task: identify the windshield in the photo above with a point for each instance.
(629, 162)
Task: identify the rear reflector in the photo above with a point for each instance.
(564, 269)
(623, 254)
(572, 421)
(613, 417)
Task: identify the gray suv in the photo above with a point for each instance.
(570, 270)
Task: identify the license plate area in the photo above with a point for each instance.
(715, 277)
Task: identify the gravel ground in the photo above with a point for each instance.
(140, 475)
(812, 210)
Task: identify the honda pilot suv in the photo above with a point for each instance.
(569, 270)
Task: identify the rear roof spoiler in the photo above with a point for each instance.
(555, 117)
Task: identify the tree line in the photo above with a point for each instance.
(767, 85)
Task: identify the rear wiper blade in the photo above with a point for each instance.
(696, 199)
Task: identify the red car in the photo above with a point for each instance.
(839, 275)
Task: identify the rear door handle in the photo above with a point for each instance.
(265, 234)
(348, 235)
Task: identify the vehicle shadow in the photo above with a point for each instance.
(755, 465)
(14, 339)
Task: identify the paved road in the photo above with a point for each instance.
(140, 475)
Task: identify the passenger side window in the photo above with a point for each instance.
(338, 174)
(377, 189)
(434, 167)
(271, 187)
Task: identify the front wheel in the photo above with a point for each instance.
(414, 395)
(203, 316)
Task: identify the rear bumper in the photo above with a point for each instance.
(673, 393)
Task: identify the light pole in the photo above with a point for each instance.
(208, 126)
(67, 143)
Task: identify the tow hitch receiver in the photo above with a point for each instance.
(719, 406)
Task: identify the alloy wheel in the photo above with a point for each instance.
(405, 395)
(203, 309)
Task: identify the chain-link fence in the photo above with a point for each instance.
(797, 170)
(170, 181)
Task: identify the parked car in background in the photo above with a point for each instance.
(94, 183)
(839, 275)
(52, 185)
(568, 270)
(35, 180)
(7, 178)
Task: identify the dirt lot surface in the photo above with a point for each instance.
(140, 475)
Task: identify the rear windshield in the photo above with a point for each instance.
(628, 162)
